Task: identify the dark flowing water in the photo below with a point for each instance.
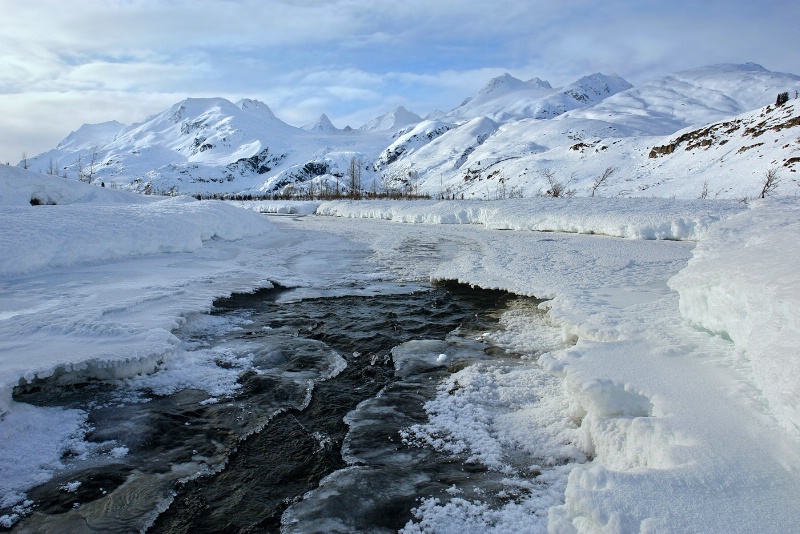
(306, 444)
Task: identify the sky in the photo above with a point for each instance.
(63, 64)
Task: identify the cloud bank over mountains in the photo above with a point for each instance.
(352, 60)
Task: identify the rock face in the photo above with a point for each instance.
(750, 126)
(661, 150)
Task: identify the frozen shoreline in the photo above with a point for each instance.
(687, 431)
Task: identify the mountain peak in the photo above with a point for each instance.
(538, 83)
(255, 106)
(89, 135)
(322, 124)
(397, 118)
(501, 84)
(596, 86)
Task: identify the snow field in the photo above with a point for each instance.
(118, 225)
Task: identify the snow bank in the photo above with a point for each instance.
(116, 225)
(19, 187)
(629, 218)
(679, 436)
(280, 207)
(743, 283)
(111, 317)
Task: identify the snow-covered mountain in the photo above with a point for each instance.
(322, 124)
(512, 137)
(618, 132)
(210, 145)
(395, 119)
(505, 98)
(89, 135)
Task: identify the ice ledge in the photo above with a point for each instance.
(652, 218)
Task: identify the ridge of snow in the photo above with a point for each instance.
(626, 218)
(735, 287)
(506, 98)
(89, 135)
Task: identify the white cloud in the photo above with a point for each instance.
(36, 122)
(352, 59)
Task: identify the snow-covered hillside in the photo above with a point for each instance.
(618, 134)
(513, 138)
(505, 98)
(209, 145)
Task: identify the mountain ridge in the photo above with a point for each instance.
(211, 145)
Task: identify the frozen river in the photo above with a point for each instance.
(600, 408)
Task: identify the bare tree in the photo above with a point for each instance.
(51, 168)
(312, 192)
(602, 180)
(354, 170)
(557, 189)
(501, 193)
(79, 165)
(771, 181)
(704, 191)
(24, 162)
(92, 163)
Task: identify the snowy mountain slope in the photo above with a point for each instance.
(512, 135)
(85, 139)
(577, 147)
(418, 136)
(89, 135)
(505, 98)
(726, 159)
(206, 145)
(443, 156)
(393, 120)
(692, 97)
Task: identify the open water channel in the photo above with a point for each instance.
(310, 440)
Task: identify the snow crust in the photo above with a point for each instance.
(118, 225)
(659, 381)
(280, 207)
(679, 433)
(635, 219)
(742, 285)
